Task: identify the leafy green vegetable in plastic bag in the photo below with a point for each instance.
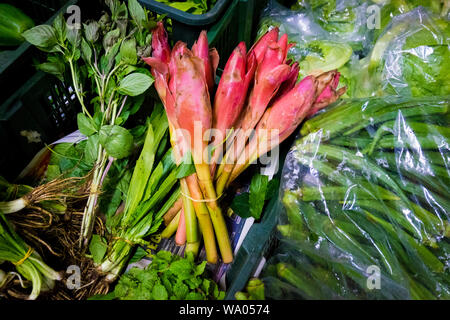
(365, 193)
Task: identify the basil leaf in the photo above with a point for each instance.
(91, 149)
(42, 36)
(117, 141)
(55, 68)
(240, 205)
(59, 24)
(258, 188)
(128, 51)
(91, 31)
(135, 84)
(137, 12)
(85, 125)
(86, 51)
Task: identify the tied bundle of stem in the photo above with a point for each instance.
(26, 261)
(50, 197)
(181, 79)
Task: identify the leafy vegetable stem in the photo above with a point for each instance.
(77, 90)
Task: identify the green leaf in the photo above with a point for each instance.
(240, 205)
(128, 51)
(42, 36)
(182, 269)
(91, 149)
(52, 172)
(195, 296)
(91, 31)
(272, 188)
(110, 39)
(200, 268)
(98, 248)
(86, 51)
(258, 188)
(109, 296)
(159, 292)
(164, 255)
(54, 67)
(59, 24)
(117, 141)
(180, 290)
(137, 13)
(138, 255)
(85, 125)
(74, 36)
(135, 84)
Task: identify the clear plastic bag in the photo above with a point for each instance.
(410, 57)
(366, 208)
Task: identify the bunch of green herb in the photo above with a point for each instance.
(104, 61)
(167, 277)
(191, 6)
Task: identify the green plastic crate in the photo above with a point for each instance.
(260, 240)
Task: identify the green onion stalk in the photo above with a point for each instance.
(103, 58)
(27, 262)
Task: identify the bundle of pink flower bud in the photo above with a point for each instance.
(257, 104)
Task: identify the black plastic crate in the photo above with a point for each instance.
(16, 62)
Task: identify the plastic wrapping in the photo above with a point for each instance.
(366, 208)
(410, 57)
(340, 20)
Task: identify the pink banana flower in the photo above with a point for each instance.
(260, 47)
(193, 106)
(231, 94)
(327, 93)
(289, 83)
(210, 58)
(278, 122)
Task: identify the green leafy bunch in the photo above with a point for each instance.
(105, 67)
(167, 277)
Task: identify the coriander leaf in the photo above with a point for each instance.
(180, 290)
(181, 269)
(135, 84)
(199, 269)
(159, 292)
(195, 296)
